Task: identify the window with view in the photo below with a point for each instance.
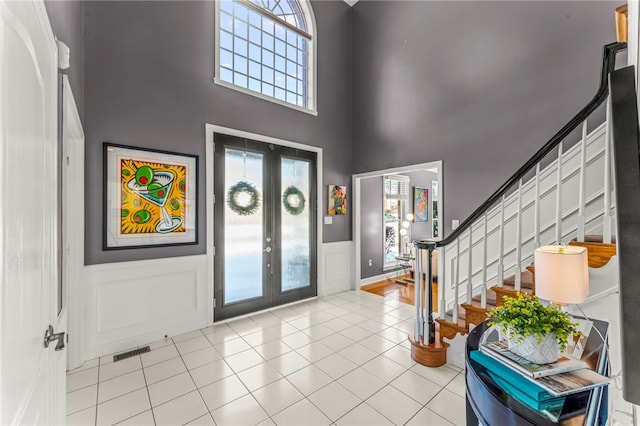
(395, 197)
(265, 47)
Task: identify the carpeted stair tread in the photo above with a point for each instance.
(526, 280)
(491, 297)
(595, 239)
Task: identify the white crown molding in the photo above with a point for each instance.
(351, 2)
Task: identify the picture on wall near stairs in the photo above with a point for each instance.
(149, 197)
(434, 208)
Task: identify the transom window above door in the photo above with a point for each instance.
(266, 48)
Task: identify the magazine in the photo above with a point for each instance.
(571, 382)
(499, 350)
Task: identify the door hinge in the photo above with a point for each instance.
(214, 302)
(214, 250)
(214, 198)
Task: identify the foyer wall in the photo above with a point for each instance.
(149, 69)
(479, 85)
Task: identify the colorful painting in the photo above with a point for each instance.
(434, 208)
(337, 200)
(150, 197)
(420, 204)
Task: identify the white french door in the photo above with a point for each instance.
(32, 389)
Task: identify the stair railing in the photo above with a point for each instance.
(477, 234)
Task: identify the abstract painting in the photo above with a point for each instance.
(150, 197)
(420, 204)
(337, 200)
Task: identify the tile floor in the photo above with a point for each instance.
(337, 360)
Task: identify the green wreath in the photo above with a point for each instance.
(293, 200)
(236, 198)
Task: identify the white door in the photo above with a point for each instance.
(32, 384)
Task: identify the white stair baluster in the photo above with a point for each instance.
(500, 266)
(518, 276)
(441, 282)
(470, 267)
(483, 296)
(582, 192)
(456, 289)
(559, 197)
(536, 208)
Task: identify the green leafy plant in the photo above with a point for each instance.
(524, 315)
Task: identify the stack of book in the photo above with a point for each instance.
(542, 387)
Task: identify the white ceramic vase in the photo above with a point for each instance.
(540, 353)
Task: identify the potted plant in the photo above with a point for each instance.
(534, 331)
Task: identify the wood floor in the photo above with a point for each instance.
(390, 289)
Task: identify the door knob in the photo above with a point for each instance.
(50, 336)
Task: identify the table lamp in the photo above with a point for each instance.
(561, 274)
(562, 278)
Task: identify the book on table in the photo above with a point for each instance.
(499, 349)
(524, 389)
(556, 385)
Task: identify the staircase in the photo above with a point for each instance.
(563, 194)
(474, 313)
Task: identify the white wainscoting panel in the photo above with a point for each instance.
(135, 303)
(336, 268)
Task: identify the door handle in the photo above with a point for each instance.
(268, 250)
(50, 336)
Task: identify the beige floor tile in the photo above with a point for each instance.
(181, 410)
(123, 407)
(243, 411)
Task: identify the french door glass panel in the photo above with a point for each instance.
(295, 221)
(244, 234)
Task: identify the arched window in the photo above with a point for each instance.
(266, 48)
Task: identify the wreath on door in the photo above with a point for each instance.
(243, 198)
(293, 200)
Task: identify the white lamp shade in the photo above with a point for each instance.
(562, 274)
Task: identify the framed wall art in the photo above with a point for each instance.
(420, 204)
(337, 200)
(149, 197)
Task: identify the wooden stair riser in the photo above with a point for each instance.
(449, 330)
(475, 315)
(598, 254)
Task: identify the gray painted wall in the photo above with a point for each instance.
(66, 22)
(479, 85)
(148, 83)
(371, 219)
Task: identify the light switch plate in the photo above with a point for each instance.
(328, 220)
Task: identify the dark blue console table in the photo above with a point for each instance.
(489, 405)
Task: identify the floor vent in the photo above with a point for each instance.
(131, 353)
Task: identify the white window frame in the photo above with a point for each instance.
(311, 108)
(404, 206)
